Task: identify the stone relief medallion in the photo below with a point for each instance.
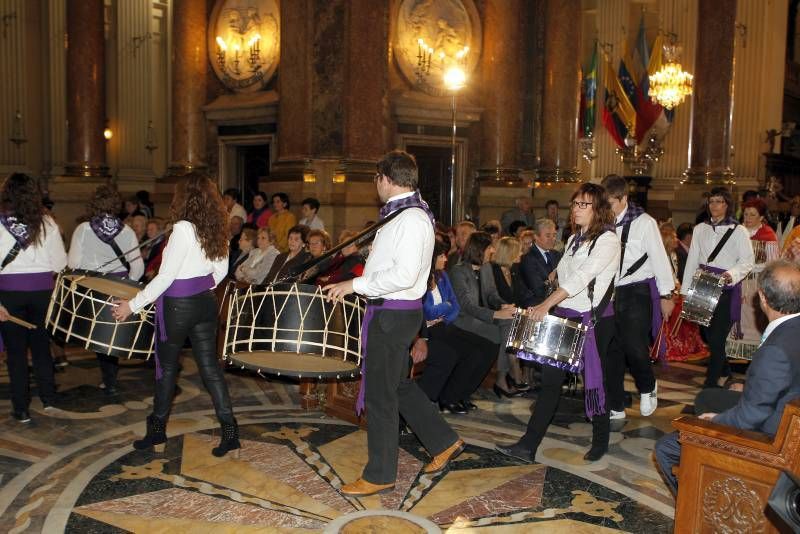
(244, 42)
(430, 36)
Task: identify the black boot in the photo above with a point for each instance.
(601, 429)
(229, 442)
(156, 436)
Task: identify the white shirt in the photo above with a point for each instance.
(736, 257)
(542, 251)
(182, 258)
(315, 223)
(576, 271)
(400, 261)
(238, 211)
(645, 237)
(46, 255)
(87, 251)
(775, 324)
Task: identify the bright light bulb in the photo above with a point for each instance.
(221, 43)
(455, 78)
(108, 134)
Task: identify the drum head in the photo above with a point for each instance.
(294, 364)
(115, 288)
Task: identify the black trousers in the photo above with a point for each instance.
(550, 394)
(457, 363)
(630, 346)
(390, 393)
(716, 334)
(109, 369)
(30, 306)
(194, 317)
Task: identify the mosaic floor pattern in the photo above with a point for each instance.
(73, 469)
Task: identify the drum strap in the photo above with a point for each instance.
(721, 244)
(598, 310)
(120, 255)
(626, 229)
(11, 255)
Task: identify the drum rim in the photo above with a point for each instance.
(231, 360)
(106, 276)
(148, 310)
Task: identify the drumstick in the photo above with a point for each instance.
(26, 324)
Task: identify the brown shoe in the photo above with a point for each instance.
(440, 461)
(362, 488)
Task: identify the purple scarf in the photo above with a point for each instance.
(106, 227)
(579, 238)
(736, 300)
(368, 315)
(17, 229)
(631, 213)
(413, 201)
(183, 287)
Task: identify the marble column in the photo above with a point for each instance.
(86, 93)
(189, 78)
(501, 68)
(712, 105)
(561, 101)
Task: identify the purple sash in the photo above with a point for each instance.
(594, 392)
(25, 282)
(182, 287)
(736, 300)
(368, 315)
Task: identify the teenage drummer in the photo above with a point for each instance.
(31, 251)
(643, 296)
(721, 246)
(100, 244)
(194, 261)
(586, 277)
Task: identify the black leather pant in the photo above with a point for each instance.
(194, 317)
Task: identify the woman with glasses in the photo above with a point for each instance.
(720, 245)
(586, 276)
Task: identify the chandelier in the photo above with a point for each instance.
(670, 85)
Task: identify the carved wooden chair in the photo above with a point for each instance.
(726, 475)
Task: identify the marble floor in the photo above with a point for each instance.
(73, 469)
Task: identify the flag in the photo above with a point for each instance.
(618, 112)
(647, 111)
(589, 96)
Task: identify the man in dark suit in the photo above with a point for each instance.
(538, 265)
(684, 233)
(773, 378)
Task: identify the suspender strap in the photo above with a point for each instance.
(601, 307)
(626, 229)
(721, 244)
(636, 265)
(120, 255)
(12, 254)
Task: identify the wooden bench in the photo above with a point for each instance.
(726, 475)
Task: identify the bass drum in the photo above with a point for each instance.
(291, 329)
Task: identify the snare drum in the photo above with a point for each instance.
(80, 311)
(520, 330)
(702, 297)
(556, 342)
(291, 329)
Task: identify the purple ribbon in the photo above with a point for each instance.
(656, 316)
(182, 287)
(594, 392)
(368, 315)
(25, 282)
(633, 211)
(736, 300)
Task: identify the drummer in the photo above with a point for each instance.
(100, 244)
(643, 296)
(31, 250)
(722, 246)
(586, 276)
(194, 261)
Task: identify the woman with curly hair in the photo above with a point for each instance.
(586, 277)
(195, 260)
(95, 245)
(31, 250)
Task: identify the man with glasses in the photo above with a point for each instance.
(394, 280)
(642, 297)
(722, 246)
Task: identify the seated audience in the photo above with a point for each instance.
(538, 266)
(476, 315)
(261, 213)
(145, 205)
(310, 207)
(259, 261)
(319, 242)
(463, 230)
(516, 228)
(773, 378)
(562, 225)
(457, 360)
(247, 241)
(130, 208)
(232, 199)
(138, 224)
(236, 224)
(522, 211)
(347, 264)
(493, 229)
(286, 263)
(281, 220)
(526, 240)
